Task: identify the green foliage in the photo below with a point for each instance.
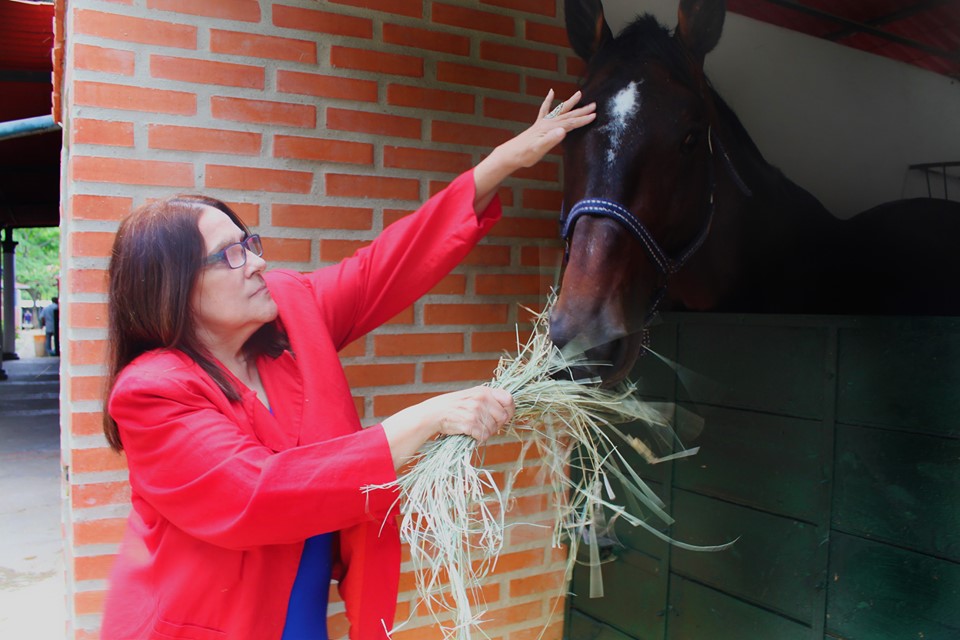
(38, 260)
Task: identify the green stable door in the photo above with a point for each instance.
(830, 450)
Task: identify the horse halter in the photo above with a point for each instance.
(664, 263)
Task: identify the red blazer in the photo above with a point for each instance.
(225, 493)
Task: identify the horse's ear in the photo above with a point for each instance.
(699, 25)
(587, 29)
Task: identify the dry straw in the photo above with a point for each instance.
(453, 511)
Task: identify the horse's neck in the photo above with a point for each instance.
(773, 234)
(777, 203)
(776, 206)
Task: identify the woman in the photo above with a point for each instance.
(246, 456)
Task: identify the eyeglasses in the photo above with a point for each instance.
(235, 255)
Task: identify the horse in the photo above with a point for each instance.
(670, 205)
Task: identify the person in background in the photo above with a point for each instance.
(246, 456)
(50, 321)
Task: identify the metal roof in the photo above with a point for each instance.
(26, 35)
(29, 166)
(925, 33)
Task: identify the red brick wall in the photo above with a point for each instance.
(321, 122)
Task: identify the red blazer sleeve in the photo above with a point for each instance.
(405, 261)
(191, 460)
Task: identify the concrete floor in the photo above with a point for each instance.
(32, 603)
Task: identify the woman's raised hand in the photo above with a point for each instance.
(529, 146)
(550, 127)
(478, 412)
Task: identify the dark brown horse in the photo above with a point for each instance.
(670, 205)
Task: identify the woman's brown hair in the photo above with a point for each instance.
(157, 257)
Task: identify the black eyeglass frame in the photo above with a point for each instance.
(251, 243)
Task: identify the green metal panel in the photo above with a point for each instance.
(652, 374)
(903, 375)
(698, 612)
(774, 563)
(654, 477)
(581, 627)
(823, 440)
(638, 538)
(880, 592)
(776, 369)
(651, 473)
(899, 487)
(772, 463)
(635, 595)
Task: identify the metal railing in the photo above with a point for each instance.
(939, 169)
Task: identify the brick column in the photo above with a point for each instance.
(321, 122)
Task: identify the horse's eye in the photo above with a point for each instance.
(690, 142)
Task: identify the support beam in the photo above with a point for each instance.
(936, 167)
(9, 296)
(900, 14)
(865, 28)
(27, 127)
(35, 77)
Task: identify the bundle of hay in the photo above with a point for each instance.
(453, 511)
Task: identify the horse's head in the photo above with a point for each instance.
(638, 181)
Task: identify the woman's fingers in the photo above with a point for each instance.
(479, 412)
(575, 119)
(545, 106)
(566, 110)
(492, 411)
(500, 408)
(529, 146)
(550, 128)
(505, 406)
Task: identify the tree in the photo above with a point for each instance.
(38, 261)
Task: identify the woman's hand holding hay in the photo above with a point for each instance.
(479, 412)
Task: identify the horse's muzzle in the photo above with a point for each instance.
(608, 358)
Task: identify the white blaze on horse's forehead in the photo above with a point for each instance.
(620, 110)
(624, 104)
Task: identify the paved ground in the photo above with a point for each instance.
(31, 551)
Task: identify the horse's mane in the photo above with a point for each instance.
(646, 37)
(755, 169)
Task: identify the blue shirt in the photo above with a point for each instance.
(48, 317)
(307, 611)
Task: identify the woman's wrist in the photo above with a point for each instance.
(406, 431)
(489, 173)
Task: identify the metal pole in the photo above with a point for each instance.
(27, 127)
(9, 296)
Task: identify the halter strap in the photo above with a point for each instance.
(665, 265)
(728, 163)
(608, 209)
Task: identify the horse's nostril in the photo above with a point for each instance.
(560, 333)
(604, 354)
(601, 348)
(595, 366)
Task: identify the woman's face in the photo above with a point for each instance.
(229, 305)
